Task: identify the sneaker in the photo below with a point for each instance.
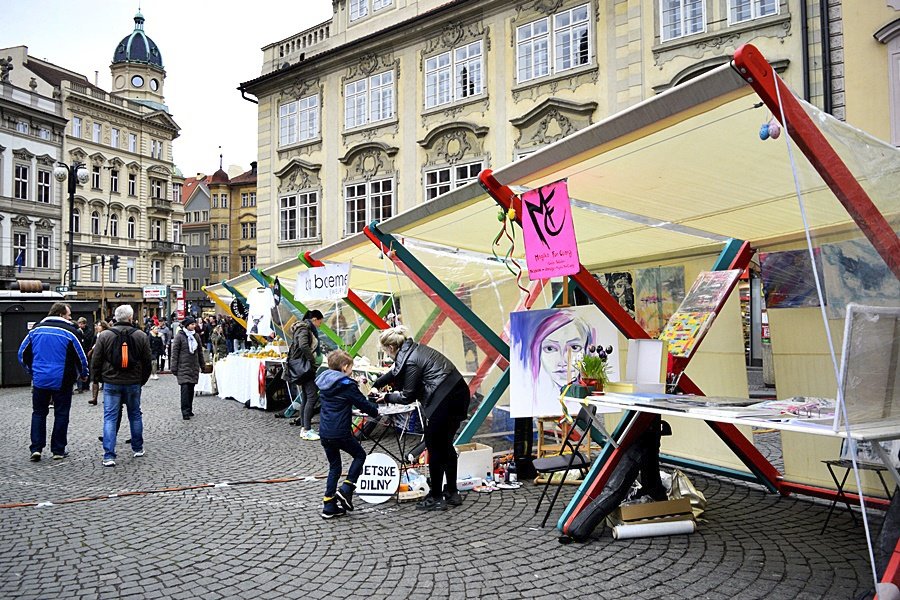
(330, 509)
(154, 377)
(310, 436)
(430, 503)
(344, 496)
(35, 457)
(139, 454)
(453, 499)
(60, 456)
(109, 462)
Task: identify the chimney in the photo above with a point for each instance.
(97, 78)
(253, 166)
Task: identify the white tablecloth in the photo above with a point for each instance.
(238, 377)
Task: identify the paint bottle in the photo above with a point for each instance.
(511, 472)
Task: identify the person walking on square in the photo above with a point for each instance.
(339, 393)
(88, 337)
(121, 361)
(306, 344)
(156, 351)
(53, 356)
(424, 374)
(219, 343)
(187, 363)
(99, 327)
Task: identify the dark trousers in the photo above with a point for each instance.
(310, 401)
(187, 399)
(333, 447)
(439, 434)
(40, 407)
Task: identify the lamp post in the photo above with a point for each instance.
(76, 173)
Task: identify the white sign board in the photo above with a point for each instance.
(330, 282)
(379, 480)
(154, 291)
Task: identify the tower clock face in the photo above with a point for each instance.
(154, 85)
(137, 81)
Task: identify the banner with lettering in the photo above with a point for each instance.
(550, 246)
(329, 282)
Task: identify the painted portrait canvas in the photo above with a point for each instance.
(621, 285)
(544, 347)
(657, 294)
(854, 272)
(788, 278)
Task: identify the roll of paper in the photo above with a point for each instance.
(638, 530)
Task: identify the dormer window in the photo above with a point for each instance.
(360, 8)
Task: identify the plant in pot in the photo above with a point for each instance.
(593, 367)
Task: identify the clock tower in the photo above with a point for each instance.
(137, 68)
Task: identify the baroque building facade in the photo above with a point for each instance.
(196, 240)
(127, 218)
(393, 102)
(31, 225)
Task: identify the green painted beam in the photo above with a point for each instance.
(296, 307)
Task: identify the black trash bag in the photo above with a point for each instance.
(642, 458)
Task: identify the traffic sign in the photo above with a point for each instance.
(62, 289)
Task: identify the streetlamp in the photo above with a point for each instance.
(76, 173)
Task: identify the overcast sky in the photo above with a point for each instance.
(208, 48)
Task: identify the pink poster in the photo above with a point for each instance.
(550, 246)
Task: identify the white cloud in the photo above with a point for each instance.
(208, 49)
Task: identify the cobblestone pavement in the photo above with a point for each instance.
(266, 540)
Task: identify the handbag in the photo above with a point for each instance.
(300, 370)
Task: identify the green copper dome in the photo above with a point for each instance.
(137, 47)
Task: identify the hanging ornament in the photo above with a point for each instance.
(774, 129)
(764, 131)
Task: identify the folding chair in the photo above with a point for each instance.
(569, 457)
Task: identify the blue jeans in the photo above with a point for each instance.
(114, 395)
(40, 407)
(333, 447)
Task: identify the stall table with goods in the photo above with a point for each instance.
(244, 376)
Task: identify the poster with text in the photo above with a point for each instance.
(544, 347)
(550, 246)
(328, 282)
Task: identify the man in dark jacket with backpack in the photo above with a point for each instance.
(121, 361)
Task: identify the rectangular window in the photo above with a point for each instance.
(309, 118)
(44, 133)
(43, 251)
(533, 50)
(157, 189)
(358, 9)
(132, 142)
(176, 193)
(114, 137)
(287, 123)
(454, 75)
(441, 181)
(204, 215)
(252, 230)
(113, 274)
(379, 4)
(76, 268)
(132, 228)
(98, 130)
(43, 186)
(176, 232)
(225, 264)
(205, 238)
(96, 269)
(223, 200)
(224, 231)
(195, 262)
(114, 180)
(156, 272)
(299, 217)
(747, 10)
(132, 184)
(252, 198)
(679, 18)
(129, 270)
(76, 127)
(20, 249)
(367, 202)
(244, 231)
(253, 262)
(95, 177)
(22, 127)
(571, 38)
(369, 100)
(571, 47)
(215, 201)
(20, 183)
(206, 258)
(244, 199)
(245, 263)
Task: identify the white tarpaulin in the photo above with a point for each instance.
(329, 282)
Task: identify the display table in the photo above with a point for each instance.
(239, 377)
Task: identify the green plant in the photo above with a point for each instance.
(594, 366)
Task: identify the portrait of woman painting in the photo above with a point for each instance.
(545, 345)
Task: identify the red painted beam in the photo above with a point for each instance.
(759, 74)
(788, 487)
(892, 572)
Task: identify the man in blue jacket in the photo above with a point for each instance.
(52, 354)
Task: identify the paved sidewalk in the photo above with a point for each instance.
(266, 540)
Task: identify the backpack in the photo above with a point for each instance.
(124, 349)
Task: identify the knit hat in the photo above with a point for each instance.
(188, 321)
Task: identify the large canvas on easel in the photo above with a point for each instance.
(544, 347)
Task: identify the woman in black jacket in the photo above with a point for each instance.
(424, 374)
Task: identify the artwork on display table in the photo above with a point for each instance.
(544, 347)
(698, 311)
(621, 286)
(855, 272)
(788, 279)
(657, 294)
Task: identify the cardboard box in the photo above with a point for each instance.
(475, 460)
(667, 510)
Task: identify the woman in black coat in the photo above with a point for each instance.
(424, 374)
